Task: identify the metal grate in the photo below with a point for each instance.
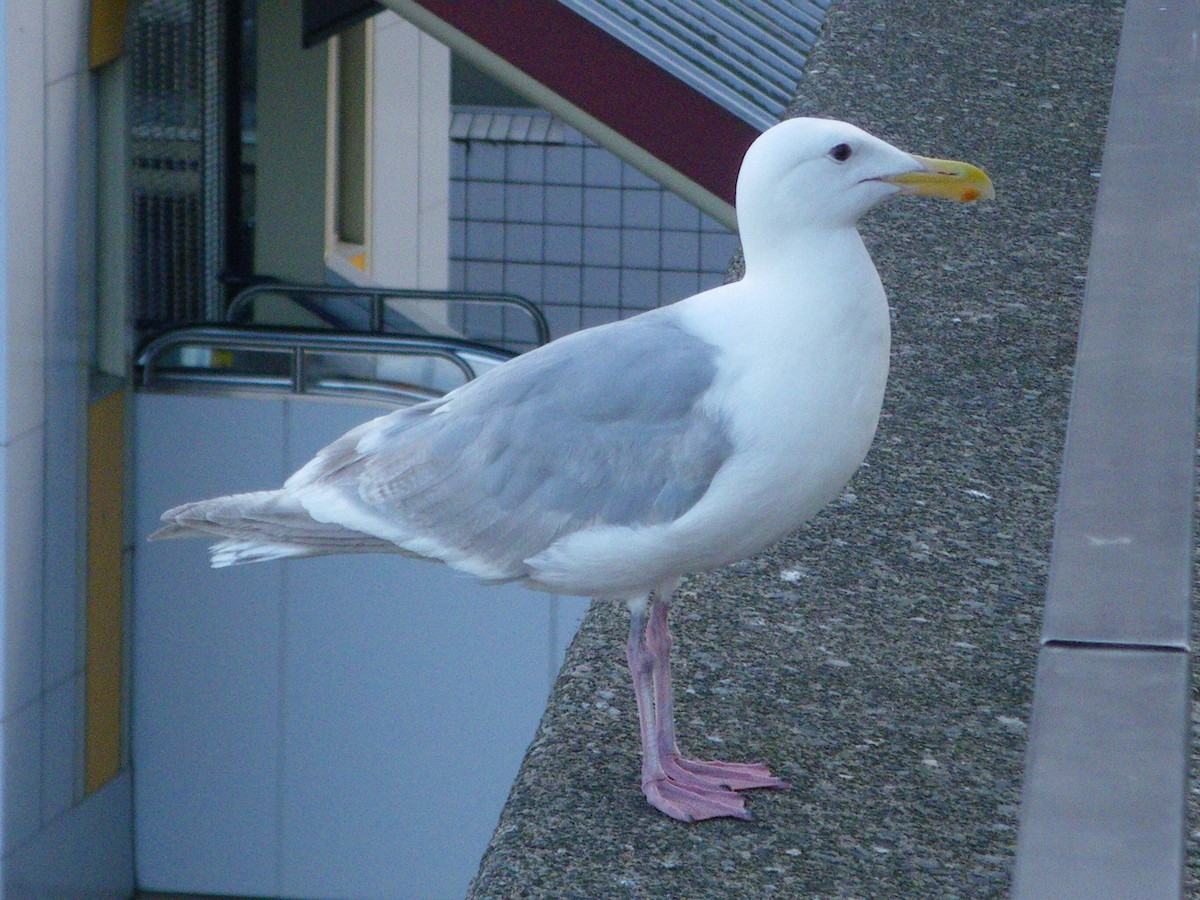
(538, 210)
(175, 132)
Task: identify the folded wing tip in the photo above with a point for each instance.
(170, 530)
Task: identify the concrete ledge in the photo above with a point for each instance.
(1105, 791)
(883, 659)
(1121, 568)
(1103, 812)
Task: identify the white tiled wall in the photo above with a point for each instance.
(53, 842)
(23, 546)
(543, 212)
(25, 92)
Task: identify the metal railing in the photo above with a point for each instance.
(319, 300)
(264, 359)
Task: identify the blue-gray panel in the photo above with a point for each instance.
(1120, 568)
(410, 693)
(206, 656)
(403, 690)
(86, 852)
(745, 56)
(1103, 809)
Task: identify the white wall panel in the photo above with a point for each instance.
(23, 469)
(20, 737)
(410, 158)
(411, 698)
(66, 38)
(377, 708)
(54, 843)
(82, 856)
(206, 657)
(25, 101)
(62, 712)
(67, 146)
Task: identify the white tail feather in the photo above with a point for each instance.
(231, 553)
(261, 526)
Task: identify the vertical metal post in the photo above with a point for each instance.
(213, 157)
(377, 313)
(298, 374)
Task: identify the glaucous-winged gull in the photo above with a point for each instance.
(613, 461)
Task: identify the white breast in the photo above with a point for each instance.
(801, 384)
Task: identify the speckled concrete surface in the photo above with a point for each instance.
(882, 659)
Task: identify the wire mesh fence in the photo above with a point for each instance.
(175, 130)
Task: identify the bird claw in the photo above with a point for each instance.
(691, 804)
(714, 773)
(691, 789)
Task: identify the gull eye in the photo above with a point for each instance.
(841, 152)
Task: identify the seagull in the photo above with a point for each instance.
(615, 460)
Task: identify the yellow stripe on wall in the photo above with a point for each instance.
(107, 39)
(105, 589)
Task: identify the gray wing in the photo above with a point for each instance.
(605, 426)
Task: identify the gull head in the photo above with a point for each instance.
(819, 174)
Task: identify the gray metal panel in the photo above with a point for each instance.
(1120, 569)
(282, 713)
(745, 56)
(1103, 814)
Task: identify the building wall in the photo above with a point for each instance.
(539, 210)
(410, 156)
(405, 172)
(54, 840)
(57, 839)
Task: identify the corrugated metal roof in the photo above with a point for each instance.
(746, 55)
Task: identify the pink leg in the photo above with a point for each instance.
(693, 773)
(687, 802)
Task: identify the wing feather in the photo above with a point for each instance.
(603, 427)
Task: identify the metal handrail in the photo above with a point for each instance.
(378, 297)
(299, 344)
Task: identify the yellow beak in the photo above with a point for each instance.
(945, 179)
